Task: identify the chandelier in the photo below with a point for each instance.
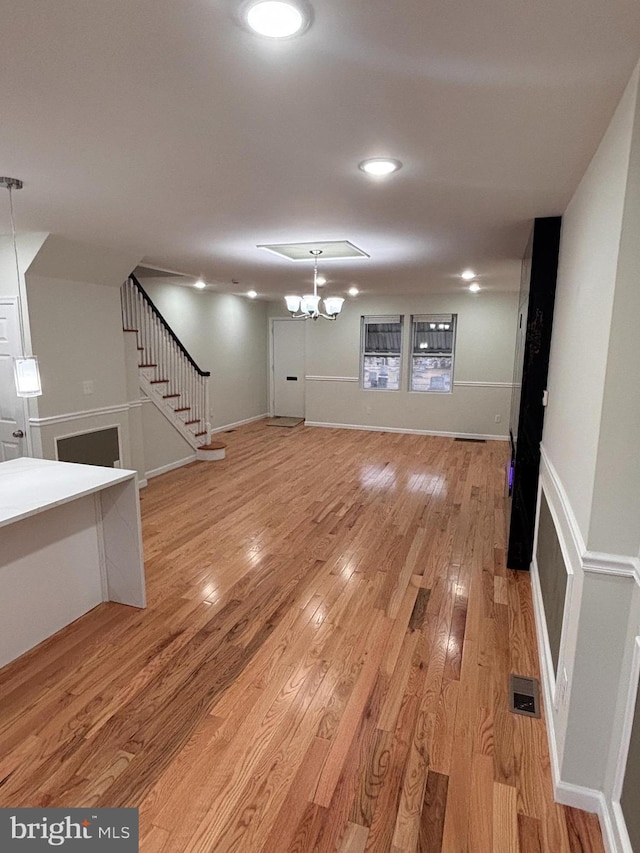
(306, 307)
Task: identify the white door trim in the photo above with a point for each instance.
(22, 401)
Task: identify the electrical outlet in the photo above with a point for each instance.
(87, 386)
(498, 418)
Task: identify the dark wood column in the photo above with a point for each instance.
(535, 319)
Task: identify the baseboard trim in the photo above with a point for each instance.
(591, 800)
(409, 431)
(240, 423)
(587, 799)
(617, 838)
(170, 467)
(142, 482)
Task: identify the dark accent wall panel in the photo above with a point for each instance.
(630, 797)
(540, 267)
(553, 578)
(91, 448)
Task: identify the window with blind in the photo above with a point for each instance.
(433, 338)
(381, 352)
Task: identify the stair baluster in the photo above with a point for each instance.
(167, 368)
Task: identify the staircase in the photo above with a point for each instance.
(167, 373)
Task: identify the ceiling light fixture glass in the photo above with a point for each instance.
(25, 368)
(252, 294)
(353, 291)
(276, 19)
(475, 287)
(200, 284)
(467, 275)
(307, 305)
(380, 166)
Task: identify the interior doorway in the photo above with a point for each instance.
(13, 439)
(287, 378)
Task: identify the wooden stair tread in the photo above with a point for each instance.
(188, 423)
(147, 365)
(213, 445)
(130, 330)
(158, 381)
(204, 432)
(169, 396)
(183, 409)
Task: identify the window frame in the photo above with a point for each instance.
(432, 318)
(371, 319)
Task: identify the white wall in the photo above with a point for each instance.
(587, 272)
(615, 510)
(73, 298)
(226, 335)
(590, 470)
(484, 356)
(76, 331)
(164, 447)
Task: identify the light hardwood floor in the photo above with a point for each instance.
(322, 666)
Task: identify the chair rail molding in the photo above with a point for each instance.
(332, 378)
(85, 413)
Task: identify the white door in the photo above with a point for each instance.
(288, 368)
(13, 441)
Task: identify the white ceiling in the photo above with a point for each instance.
(164, 127)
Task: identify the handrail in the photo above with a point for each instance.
(168, 328)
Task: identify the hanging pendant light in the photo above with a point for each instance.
(25, 368)
(307, 307)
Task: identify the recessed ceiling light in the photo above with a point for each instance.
(353, 291)
(252, 294)
(475, 287)
(380, 166)
(321, 280)
(467, 275)
(200, 284)
(276, 19)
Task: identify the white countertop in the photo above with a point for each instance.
(29, 486)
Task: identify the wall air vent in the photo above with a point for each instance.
(524, 695)
(475, 440)
(332, 250)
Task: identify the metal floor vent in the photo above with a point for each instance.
(524, 695)
(476, 440)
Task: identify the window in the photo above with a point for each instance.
(433, 342)
(381, 352)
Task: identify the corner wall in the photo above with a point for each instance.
(590, 476)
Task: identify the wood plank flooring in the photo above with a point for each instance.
(323, 664)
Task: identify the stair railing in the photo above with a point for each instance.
(183, 382)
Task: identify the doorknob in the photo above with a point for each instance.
(17, 433)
